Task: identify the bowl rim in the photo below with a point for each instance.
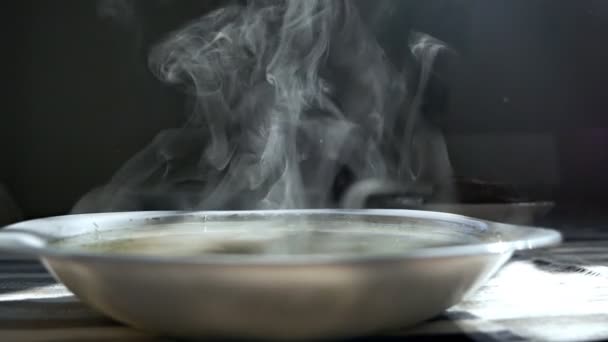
(18, 238)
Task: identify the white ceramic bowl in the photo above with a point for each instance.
(405, 267)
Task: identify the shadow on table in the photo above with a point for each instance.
(64, 312)
(450, 331)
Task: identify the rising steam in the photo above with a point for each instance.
(287, 93)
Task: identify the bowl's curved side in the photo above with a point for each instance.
(274, 301)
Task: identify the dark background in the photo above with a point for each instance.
(527, 93)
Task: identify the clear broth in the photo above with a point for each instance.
(265, 237)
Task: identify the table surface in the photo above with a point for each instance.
(557, 294)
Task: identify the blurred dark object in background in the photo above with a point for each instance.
(9, 211)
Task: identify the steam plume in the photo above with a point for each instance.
(286, 93)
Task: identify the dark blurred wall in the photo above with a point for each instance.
(537, 69)
(14, 32)
(84, 104)
(79, 100)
